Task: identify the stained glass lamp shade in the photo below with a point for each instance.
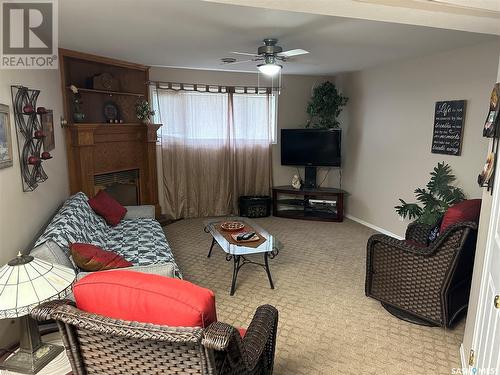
(25, 282)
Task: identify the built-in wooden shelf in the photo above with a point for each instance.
(106, 124)
(97, 147)
(94, 91)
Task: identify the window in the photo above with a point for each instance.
(255, 116)
(211, 117)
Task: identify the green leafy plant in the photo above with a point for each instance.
(434, 199)
(325, 106)
(143, 111)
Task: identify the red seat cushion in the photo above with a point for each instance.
(108, 207)
(92, 258)
(242, 331)
(146, 298)
(467, 210)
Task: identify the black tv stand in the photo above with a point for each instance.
(310, 177)
(323, 204)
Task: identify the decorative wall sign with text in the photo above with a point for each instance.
(448, 127)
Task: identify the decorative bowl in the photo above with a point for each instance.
(232, 226)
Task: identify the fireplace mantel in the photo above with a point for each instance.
(95, 149)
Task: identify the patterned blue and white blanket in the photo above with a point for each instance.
(140, 241)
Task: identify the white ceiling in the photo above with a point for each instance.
(481, 16)
(196, 34)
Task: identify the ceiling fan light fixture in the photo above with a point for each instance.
(269, 69)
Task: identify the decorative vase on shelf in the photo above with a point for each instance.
(79, 116)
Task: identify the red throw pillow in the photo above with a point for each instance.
(467, 210)
(108, 207)
(146, 298)
(92, 258)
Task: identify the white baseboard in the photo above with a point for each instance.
(369, 225)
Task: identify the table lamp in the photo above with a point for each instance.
(25, 282)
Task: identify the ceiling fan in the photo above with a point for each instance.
(270, 54)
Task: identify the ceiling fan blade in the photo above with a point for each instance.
(293, 52)
(236, 62)
(244, 53)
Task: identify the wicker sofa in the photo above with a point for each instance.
(424, 284)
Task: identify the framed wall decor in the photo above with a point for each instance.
(47, 120)
(111, 112)
(5, 138)
(486, 174)
(491, 130)
(449, 119)
(492, 119)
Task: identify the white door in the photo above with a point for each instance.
(486, 339)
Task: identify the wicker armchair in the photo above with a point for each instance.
(99, 345)
(424, 284)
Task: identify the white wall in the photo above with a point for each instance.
(293, 100)
(22, 214)
(389, 122)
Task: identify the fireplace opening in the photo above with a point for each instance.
(123, 186)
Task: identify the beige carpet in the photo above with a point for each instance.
(326, 325)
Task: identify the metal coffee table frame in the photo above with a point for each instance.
(237, 253)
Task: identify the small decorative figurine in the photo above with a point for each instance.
(296, 182)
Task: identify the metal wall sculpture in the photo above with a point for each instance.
(29, 136)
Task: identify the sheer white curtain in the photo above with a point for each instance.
(215, 147)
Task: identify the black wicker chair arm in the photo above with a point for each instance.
(66, 312)
(260, 334)
(454, 227)
(418, 232)
(398, 244)
(218, 336)
(428, 250)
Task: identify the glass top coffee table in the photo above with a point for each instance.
(268, 245)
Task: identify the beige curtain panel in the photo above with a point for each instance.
(215, 146)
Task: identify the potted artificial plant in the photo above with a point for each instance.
(325, 106)
(434, 199)
(143, 111)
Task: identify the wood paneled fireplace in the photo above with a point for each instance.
(103, 153)
(95, 150)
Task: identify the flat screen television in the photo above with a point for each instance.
(311, 147)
